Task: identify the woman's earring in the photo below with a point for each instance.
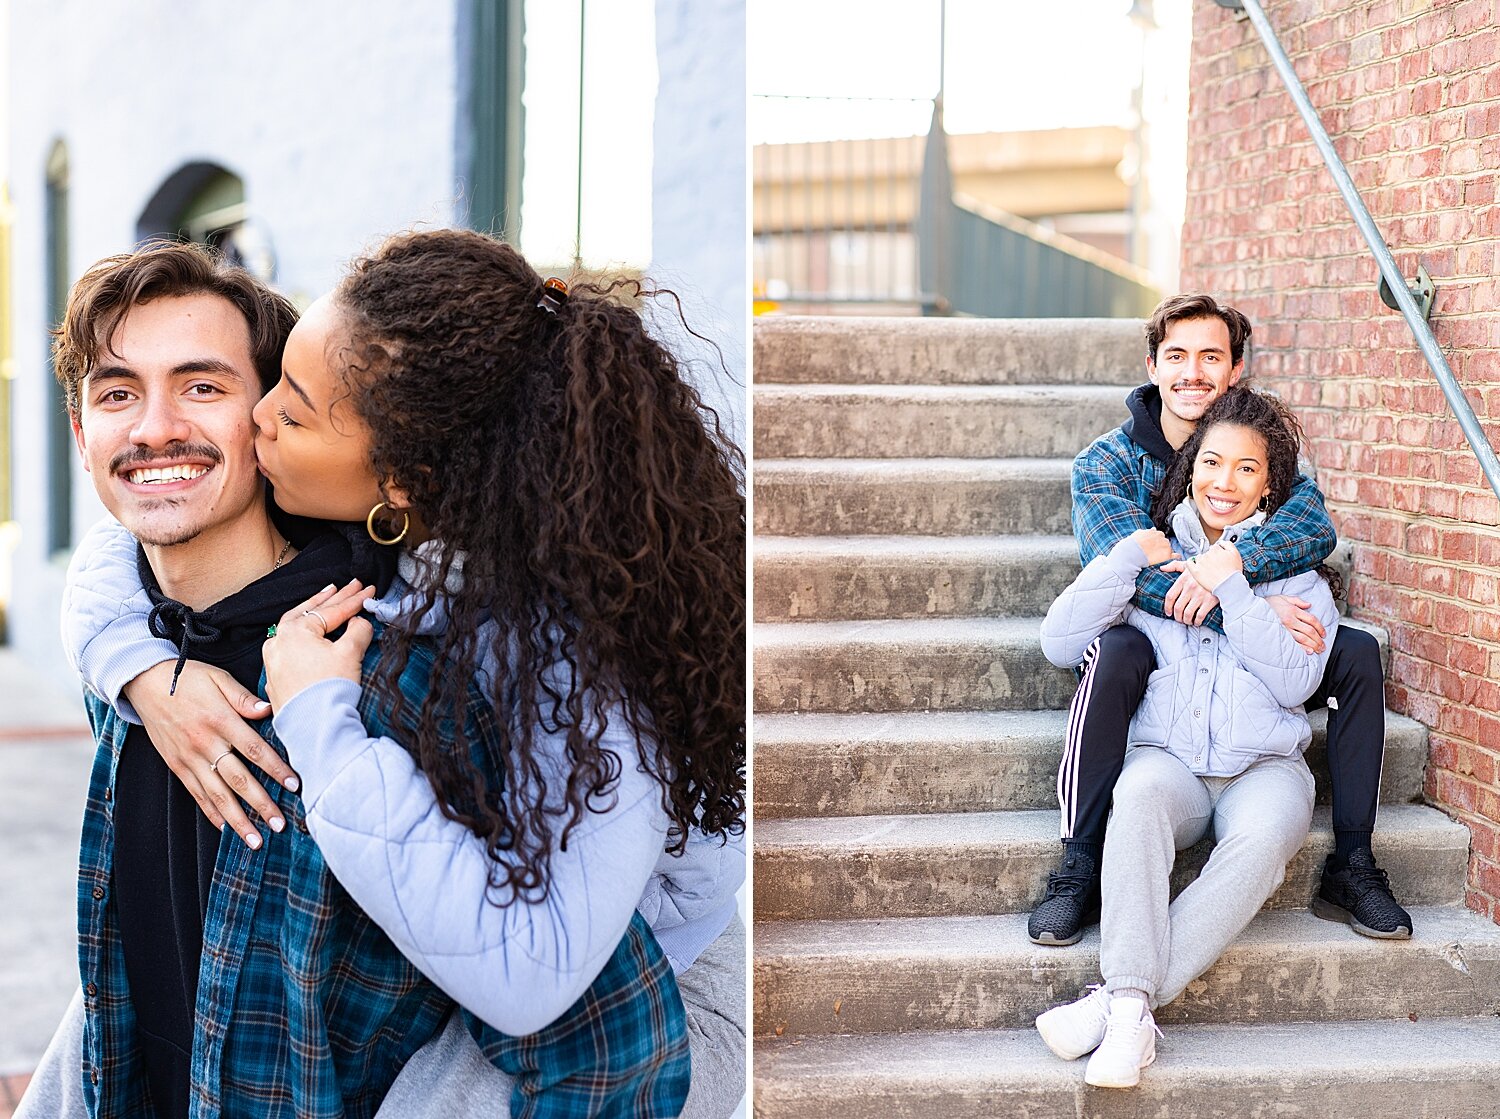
(1265, 502)
(1189, 497)
(375, 536)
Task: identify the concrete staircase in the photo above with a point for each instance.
(911, 519)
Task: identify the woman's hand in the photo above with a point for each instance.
(1212, 567)
(200, 730)
(300, 654)
(1154, 543)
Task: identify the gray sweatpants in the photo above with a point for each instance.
(449, 1078)
(1259, 820)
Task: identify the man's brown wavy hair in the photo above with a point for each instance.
(1178, 308)
(599, 511)
(104, 295)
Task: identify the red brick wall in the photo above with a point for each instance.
(1409, 90)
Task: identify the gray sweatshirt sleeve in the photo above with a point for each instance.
(424, 878)
(104, 611)
(1266, 647)
(1093, 602)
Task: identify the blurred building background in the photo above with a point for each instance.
(952, 156)
(293, 135)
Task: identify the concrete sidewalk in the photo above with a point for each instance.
(45, 754)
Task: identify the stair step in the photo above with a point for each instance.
(946, 497)
(855, 578)
(1448, 1067)
(941, 664)
(933, 421)
(983, 973)
(859, 578)
(943, 864)
(792, 349)
(970, 761)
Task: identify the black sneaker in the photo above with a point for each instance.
(1359, 896)
(1071, 904)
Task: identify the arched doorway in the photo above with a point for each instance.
(205, 202)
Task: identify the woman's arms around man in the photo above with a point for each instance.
(420, 875)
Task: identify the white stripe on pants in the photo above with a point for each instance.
(1259, 820)
(1067, 772)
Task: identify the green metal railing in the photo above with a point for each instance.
(981, 261)
(1393, 285)
(877, 222)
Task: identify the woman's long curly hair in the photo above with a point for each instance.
(600, 514)
(1273, 421)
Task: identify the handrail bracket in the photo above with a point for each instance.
(1422, 291)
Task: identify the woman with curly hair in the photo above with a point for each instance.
(1216, 744)
(571, 536)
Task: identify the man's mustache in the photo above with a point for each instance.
(171, 450)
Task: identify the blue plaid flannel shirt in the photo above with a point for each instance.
(306, 1009)
(1114, 478)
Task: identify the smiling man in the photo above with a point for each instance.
(163, 354)
(1195, 352)
(163, 422)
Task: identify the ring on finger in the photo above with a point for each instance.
(321, 620)
(213, 766)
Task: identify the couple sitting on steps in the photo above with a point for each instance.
(1202, 626)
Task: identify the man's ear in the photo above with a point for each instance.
(78, 439)
(1237, 372)
(1151, 370)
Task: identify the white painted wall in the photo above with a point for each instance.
(700, 237)
(699, 220)
(1165, 110)
(340, 119)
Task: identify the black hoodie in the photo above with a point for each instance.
(1143, 428)
(165, 848)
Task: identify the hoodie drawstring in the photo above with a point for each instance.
(174, 622)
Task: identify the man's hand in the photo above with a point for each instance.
(300, 655)
(1187, 601)
(1211, 568)
(1154, 543)
(199, 731)
(1296, 614)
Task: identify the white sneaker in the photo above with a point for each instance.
(1075, 1029)
(1129, 1045)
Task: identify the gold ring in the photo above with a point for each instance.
(323, 621)
(213, 766)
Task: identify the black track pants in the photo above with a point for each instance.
(1114, 673)
(1353, 690)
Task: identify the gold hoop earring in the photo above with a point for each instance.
(1189, 498)
(1265, 503)
(375, 536)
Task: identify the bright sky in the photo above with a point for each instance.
(1011, 65)
(619, 99)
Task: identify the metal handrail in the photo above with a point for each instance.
(1397, 284)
